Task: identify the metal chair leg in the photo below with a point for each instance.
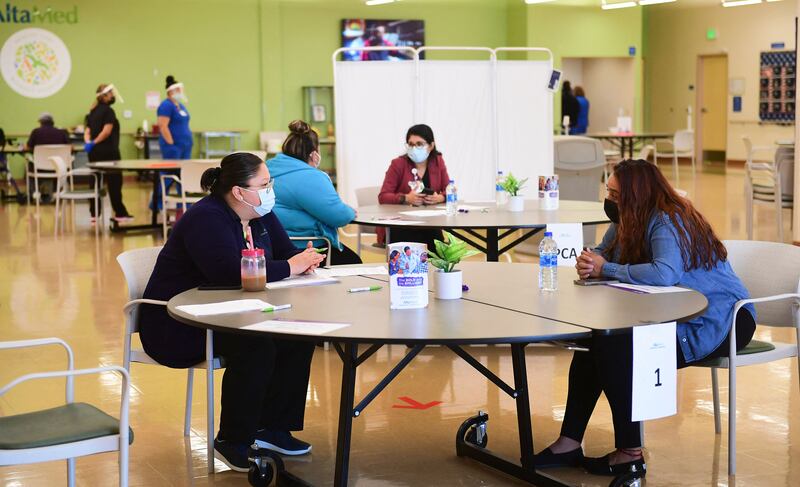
(187, 418)
(715, 395)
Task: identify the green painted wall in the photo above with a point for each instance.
(583, 32)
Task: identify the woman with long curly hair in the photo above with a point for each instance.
(656, 238)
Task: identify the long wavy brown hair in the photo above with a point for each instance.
(644, 191)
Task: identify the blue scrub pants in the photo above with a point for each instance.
(178, 150)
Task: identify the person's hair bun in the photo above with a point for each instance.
(209, 177)
(299, 127)
(170, 81)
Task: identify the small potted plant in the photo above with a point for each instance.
(512, 186)
(447, 255)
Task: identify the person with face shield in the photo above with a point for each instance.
(175, 136)
(266, 379)
(101, 143)
(656, 238)
(418, 177)
(307, 203)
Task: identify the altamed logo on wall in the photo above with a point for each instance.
(35, 63)
(13, 14)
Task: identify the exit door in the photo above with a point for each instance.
(712, 123)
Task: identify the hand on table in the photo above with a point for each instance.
(306, 261)
(589, 264)
(433, 199)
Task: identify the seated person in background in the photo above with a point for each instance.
(582, 124)
(419, 177)
(265, 381)
(306, 202)
(657, 238)
(46, 134)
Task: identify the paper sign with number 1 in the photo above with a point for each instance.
(655, 372)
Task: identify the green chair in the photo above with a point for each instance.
(65, 432)
(771, 273)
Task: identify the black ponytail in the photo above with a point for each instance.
(235, 170)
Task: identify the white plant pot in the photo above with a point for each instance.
(516, 203)
(448, 284)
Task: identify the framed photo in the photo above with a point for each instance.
(318, 113)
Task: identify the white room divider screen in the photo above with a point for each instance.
(486, 115)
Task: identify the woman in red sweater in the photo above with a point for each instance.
(419, 177)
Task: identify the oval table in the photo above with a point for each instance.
(139, 166)
(492, 220)
(515, 318)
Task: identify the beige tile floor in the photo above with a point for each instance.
(71, 287)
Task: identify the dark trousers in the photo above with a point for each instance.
(264, 386)
(344, 256)
(416, 235)
(114, 184)
(608, 368)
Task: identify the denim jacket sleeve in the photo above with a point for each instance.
(666, 267)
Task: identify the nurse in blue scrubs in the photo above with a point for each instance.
(175, 139)
(173, 123)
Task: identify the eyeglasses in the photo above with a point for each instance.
(267, 186)
(418, 145)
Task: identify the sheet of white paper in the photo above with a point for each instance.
(303, 280)
(104, 164)
(642, 289)
(655, 373)
(424, 213)
(297, 327)
(397, 221)
(353, 271)
(569, 237)
(237, 306)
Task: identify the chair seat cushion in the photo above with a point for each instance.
(63, 424)
(755, 346)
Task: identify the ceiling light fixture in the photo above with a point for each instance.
(613, 6)
(378, 2)
(532, 2)
(739, 3)
(654, 2)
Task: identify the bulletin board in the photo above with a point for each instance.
(778, 86)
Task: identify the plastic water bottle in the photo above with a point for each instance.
(452, 198)
(500, 194)
(548, 263)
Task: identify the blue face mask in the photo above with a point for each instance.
(267, 198)
(418, 154)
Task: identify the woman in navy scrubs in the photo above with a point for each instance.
(175, 137)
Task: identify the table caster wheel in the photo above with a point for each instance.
(260, 476)
(477, 435)
(629, 479)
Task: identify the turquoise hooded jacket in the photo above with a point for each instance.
(306, 203)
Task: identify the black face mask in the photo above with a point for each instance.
(112, 100)
(612, 210)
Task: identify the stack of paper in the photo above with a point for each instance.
(337, 271)
(396, 221)
(642, 289)
(303, 280)
(224, 307)
(299, 327)
(424, 213)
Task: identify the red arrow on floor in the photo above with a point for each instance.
(412, 404)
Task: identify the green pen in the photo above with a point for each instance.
(322, 250)
(364, 289)
(276, 308)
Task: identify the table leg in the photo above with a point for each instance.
(345, 414)
(154, 215)
(492, 244)
(523, 405)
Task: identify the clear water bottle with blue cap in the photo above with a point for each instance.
(451, 198)
(500, 194)
(548, 263)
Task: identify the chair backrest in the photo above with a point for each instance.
(137, 266)
(647, 151)
(767, 269)
(272, 141)
(684, 140)
(43, 153)
(367, 196)
(784, 163)
(192, 172)
(57, 164)
(580, 163)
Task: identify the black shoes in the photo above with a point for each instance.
(281, 442)
(234, 455)
(547, 459)
(600, 466)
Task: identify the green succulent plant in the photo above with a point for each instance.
(512, 185)
(447, 255)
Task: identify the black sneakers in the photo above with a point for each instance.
(234, 455)
(282, 442)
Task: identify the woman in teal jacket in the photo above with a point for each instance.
(306, 201)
